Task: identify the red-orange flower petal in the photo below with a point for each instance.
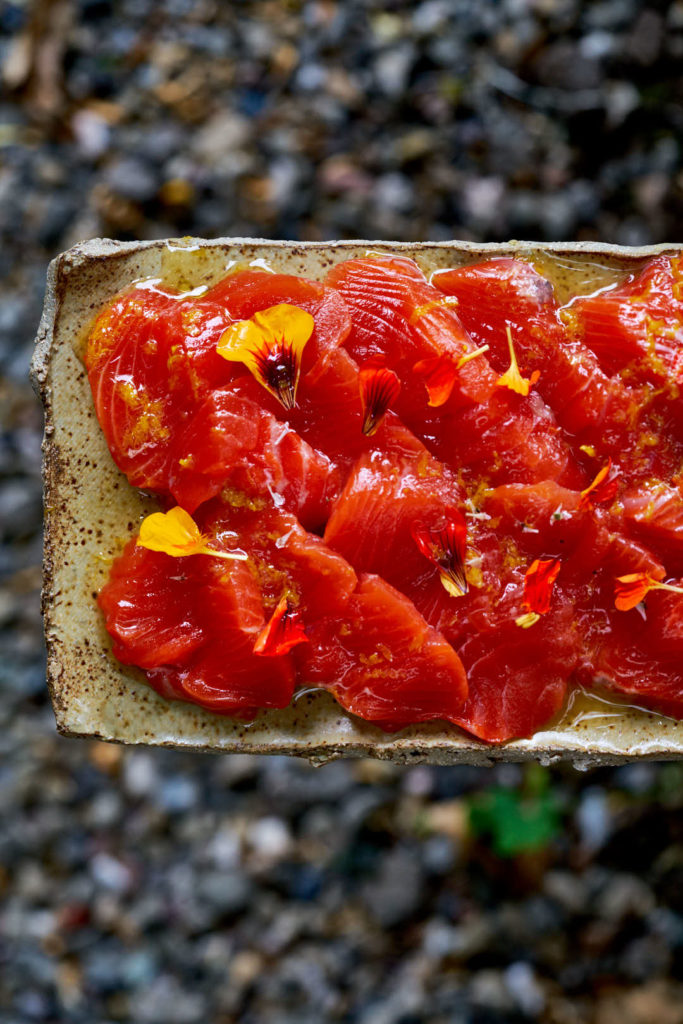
(539, 580)
(439, 374)
(283, 631)
(445, 548)
(603, 489)
(379, 389)
(631, 589)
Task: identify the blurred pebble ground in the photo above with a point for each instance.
(160, 888)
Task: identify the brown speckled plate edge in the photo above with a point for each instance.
(90, 511)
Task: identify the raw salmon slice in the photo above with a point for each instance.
(328, 414)
(514, 687)
(400, 318)
(504, 292)
(176, 618)
(148, 608)
(232, 441)
(641, 656)
(384, 499)
(371, 525)
(152, 359)
(230, 602)
(383, 662)
(638, 324)
(283, 557)
(126, 362)
(654, 515)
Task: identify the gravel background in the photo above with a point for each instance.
(159, 888)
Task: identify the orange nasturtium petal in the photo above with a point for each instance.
(176, 533)
(283, 631)
(631, 589)
(441, 372)
(512, 378)
(539, 580)
(379, 388)
(445, 548)
(271, 344)
(603, 488)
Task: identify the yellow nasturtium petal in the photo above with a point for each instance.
(286, 320)
(176, 533)
(271, 345)
(512, 378)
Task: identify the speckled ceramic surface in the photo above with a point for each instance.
(91, 511)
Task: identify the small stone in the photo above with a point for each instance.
(177, 192)
(131, 178)
(624, 895)
(92, 133)
(449, 817)
(439, 854)
(221, 134)
(393, 192)
(395, 894)
(178, 793)
(245, 967)
(269, 838)
(593, 819)
(567, 889)
(418, 781)
(489, 990)
(166, 1002)
(224, 848)
(225, 892)
(110, 873)
(392, 68)
(523, 987)
(140, 776)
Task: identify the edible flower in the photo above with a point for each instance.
(512, 378)
(631, 589)
(379, 388)
(176, 533)
(603, 489)
(445, 548)
(539, 580)
(271, 344)
(283, 631)
(440, 373)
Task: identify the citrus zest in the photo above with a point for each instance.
(427, 307)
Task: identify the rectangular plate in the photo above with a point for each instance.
(91, 510)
